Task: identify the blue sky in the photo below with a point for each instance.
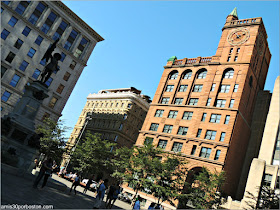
(140, 36)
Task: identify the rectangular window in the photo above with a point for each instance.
(39, 40)
(6, 95)
(78, 52)
(172, 114)
(169, 88)
(188, 75)
(193, 101)
(43, 62)
(1, 12)
(203, 117)
(238, 50)
(193, 150)
(187, 115)
(215, 118)
(124, 116)
(221, 103)
(66, 76)
(15, 80)
(6, 2)
(62, 56)
(148, 140)
(36, 74)
(154, 127)
(5, 34)
(231, 50)
(267, 180)
(162, 144)
(205, 152)
(197, 88)
(227, 119)
(37, 13)
(182, 131)
(167, 128)
(177, 147)
(183, 88)
(12, 22)
(23, 65)
(73, 64)
(164, 100)
(208, 102)
(222, 138)
(10, 57)
(235, 88)
(31, 52)
(198, 133)
(61, 28)
(178, 101)
(228, 59)
(49, 22)
(18, 44)
(52, 102)
(210, 135)
(217, 155)
(26, 31)
(231, 103)
(120, 128)
(21, 7)
(224, 88)
(159, 113)
(235, 58)
(213, 87)
(49, 81)
(3, 70)
(70, 39)
(60, 88)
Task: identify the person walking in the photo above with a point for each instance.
(115, 196)
(90, 181)
(45, 170)
(100, 193)
(137, 203)
(76, 182)
(109, 198)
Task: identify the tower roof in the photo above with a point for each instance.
(234, 12)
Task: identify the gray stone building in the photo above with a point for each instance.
(28, 29)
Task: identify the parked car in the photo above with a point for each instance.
(125, 197)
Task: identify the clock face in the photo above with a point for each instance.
(238, 36)
(260, 44)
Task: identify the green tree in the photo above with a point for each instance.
(93, 155)
(205, 192)
(52, 138)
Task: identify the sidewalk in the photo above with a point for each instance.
(18, 190)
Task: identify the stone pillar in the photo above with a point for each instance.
(76, 43)
(30, 9)
(65, 35)
(43, 18)
(55, 26)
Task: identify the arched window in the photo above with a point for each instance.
(228, 74)
(173, 75)
(187, 75)
(202, 74)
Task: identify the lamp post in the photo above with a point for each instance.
(88, 118)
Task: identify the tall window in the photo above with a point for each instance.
(18, 43)
(220, 103)
(193, 101)
(227, 119)
(183, 88)
(222, 138)
(23, 65)
(26, 31)
(187, 115)
(60, 88)
(217, 155)
(197, 88)
(6, 95)
(49, 22)
(31, 52)
(202, 75)
(198, 134)
(73, 64)
(154, 127)
(148, 140)
(162, 144)
(267, 180)
(66, 76)
(12, 22)
(235, 88)
(5, 2)
(229, 74)
(15, 80)
(205, 152)
(174, 75)
(210, 135)
(10, 57)
(193, 149)
(215, 118)
(70, 39)
(167, 128)
(203, 117)
(39, 40)
(37, 13)
(49, 81)
(224, 88)
(62, 56)
(81, 47)
(187, 75)
(231, 103)
(21, 7)
(208, 102)
(36, 74)
(159, 113)
(164, 100)
(169, 88)
(177, 147)
(172, 114)
(52, 102)
(5, 34)
(178, 101)
(182, 131)
(213, 87)
(61, 28)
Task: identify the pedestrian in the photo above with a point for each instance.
(36, 163)
(137, 203)
(45, 170)
(115, 196)
(152, 206)
(100, 193)
(90, 181)
(109, 198)
(76, 182)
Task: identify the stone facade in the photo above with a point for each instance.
(28, 29)
(207, 103)
(117, 114)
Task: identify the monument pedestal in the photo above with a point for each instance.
(19, 139)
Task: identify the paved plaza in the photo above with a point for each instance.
(18, 190)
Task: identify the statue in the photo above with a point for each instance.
(52, 65)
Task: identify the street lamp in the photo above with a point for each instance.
(88, 118)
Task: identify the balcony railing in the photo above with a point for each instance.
(190, 61)
(245, 21)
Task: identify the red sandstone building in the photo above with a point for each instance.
(203, 106)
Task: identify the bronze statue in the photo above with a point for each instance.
(52, 65)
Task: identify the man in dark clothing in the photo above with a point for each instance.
(90, 181)
(110, 194)
(76, 182)
(45, 170)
